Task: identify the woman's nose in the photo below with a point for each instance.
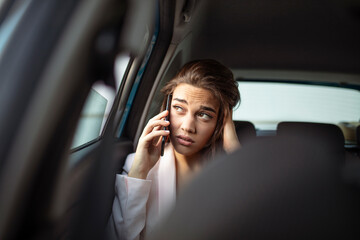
(188, 124)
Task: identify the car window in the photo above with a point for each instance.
(98, 105)
(268, 103)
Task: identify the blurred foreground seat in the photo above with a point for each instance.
(358, 139)
(272, 188)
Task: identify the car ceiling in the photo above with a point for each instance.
(305, 35)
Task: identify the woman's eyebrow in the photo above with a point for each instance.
(202, 107)
(208, 109)
(181, 100)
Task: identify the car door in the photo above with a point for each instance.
(51, 187)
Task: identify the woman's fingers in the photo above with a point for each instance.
(154, 130)
(231, 141)
(155, 126)
(161, 115)
(153, 137)
(228, 115)
(148, 152)
(157, 121)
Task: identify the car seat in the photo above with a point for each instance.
(245, 131)
(283, 188)
(322, 135)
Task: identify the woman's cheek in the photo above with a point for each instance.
(208, 130)
(173, 122)
(174, 118)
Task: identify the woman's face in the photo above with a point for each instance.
(193, 117)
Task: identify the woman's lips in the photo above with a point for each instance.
(184, 140)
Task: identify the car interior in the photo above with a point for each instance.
(80, 79)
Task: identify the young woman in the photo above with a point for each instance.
(200, 125)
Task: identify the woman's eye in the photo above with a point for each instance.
(178, 108)
(205, 116)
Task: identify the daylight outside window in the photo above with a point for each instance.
(98, 105)
(267, 103)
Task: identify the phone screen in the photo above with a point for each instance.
(168, 102)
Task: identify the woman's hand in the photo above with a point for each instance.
(231, 141)
(149, 146)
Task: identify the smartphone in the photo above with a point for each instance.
(168, 102)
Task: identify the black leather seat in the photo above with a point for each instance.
(245, 131)
(323, 135)
(283, 188)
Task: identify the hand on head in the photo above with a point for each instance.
(231, 141)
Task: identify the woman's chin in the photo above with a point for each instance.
(184, 150)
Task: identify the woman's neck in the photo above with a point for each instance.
(186, 168)
(189, 161)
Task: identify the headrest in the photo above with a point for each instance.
(321, 134)
(245, 131)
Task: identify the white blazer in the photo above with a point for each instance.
(140, 204)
